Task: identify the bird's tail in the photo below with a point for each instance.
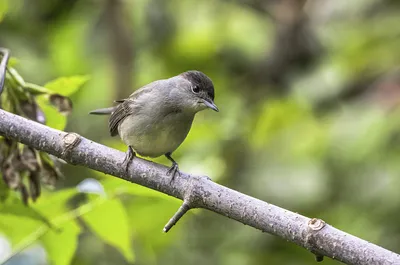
(105, 111)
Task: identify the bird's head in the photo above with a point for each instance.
(199, 94)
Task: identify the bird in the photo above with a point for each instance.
(156, 118)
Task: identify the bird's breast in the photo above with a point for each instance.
(155, 136)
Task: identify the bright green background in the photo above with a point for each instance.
(313, 130)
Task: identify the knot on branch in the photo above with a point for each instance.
(314, 225)
(70, 140)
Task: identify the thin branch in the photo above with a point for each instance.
(312, 234)
(4, 60)
(185, 207)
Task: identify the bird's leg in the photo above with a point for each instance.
(174, 168)
(128, 157)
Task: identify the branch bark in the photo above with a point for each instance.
(199, 192)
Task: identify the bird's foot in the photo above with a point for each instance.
(128, 158)
(173, 170)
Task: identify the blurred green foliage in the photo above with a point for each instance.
(308, 91)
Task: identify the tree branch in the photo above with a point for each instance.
(199, 192)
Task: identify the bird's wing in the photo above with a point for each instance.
(126, 107)
(119, 114)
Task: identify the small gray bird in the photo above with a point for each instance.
(156, 118)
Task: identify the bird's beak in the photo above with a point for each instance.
(211, 105)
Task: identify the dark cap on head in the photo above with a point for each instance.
(200, 80)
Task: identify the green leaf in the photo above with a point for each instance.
(54, 119)
(12, 61)
(16, 76)
(67, 85)
(36, 90)
(109, 221)
(17, 221)
(53, 204)
(21, 223)
(61, 239)
(61, 244)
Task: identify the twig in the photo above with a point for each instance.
(178, 215)
(4, 60)
(312, 234)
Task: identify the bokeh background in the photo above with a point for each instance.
(308, 93)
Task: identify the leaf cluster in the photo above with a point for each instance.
(20, 165)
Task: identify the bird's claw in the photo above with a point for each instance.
(128, 158)
(173, 170)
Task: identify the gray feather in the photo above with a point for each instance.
(105, 111)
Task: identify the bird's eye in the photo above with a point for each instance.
(196, 89)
